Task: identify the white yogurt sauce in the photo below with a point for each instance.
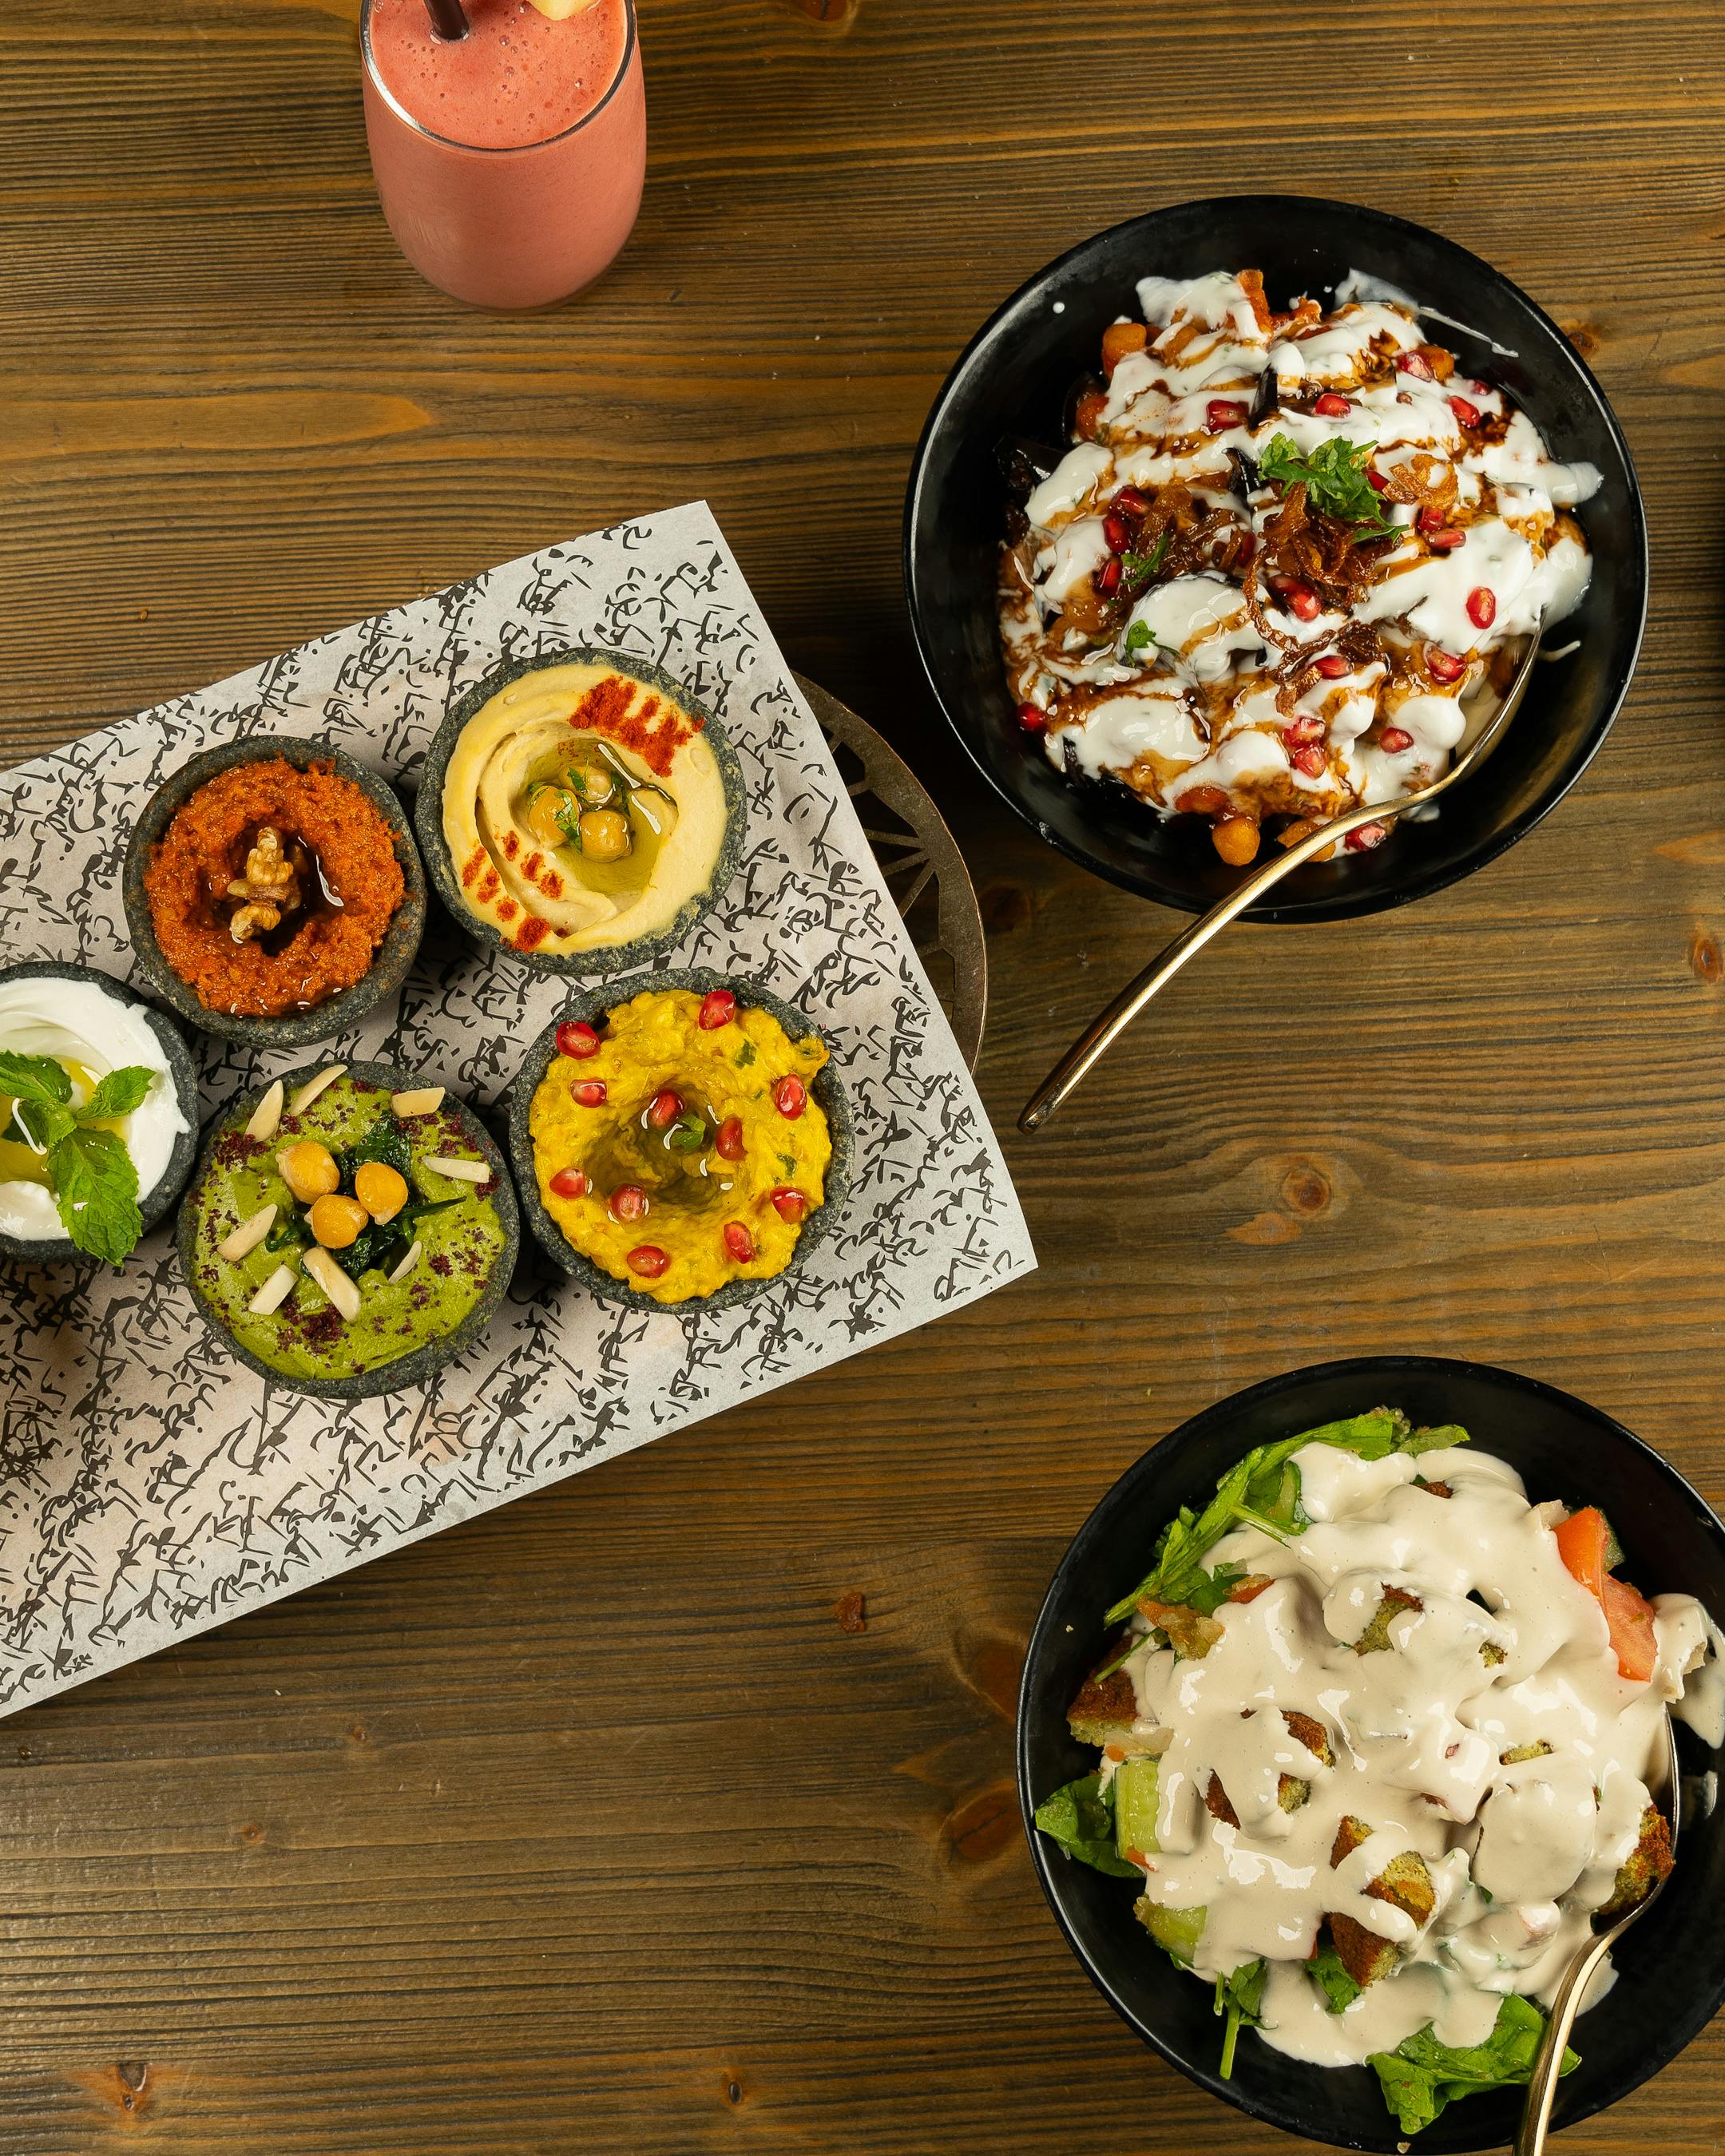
(1515, 565)
(78, 1022)
(1417, 1734)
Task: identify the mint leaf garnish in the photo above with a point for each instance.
(95, 1186)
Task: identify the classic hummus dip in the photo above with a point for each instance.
(681, 1149)
(272, 887)
(349, 1234)
(582, 809)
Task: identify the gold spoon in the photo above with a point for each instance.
(1104, 1030)
(1566, 2001)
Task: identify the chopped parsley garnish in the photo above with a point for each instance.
(90, 1171)
(1139, 568)
(745, 1055)
(1140, 637)
(1334, 478)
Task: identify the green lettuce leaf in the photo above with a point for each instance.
(1080, 1818)
(1330, 1974)
(1421, 2075)
(1240, 1997)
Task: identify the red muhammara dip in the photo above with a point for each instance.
(272, 888)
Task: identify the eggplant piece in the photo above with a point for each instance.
(1263, 398)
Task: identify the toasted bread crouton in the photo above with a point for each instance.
(1375, 1639)
(1350, 1833)
(1490, 1654)
(1216, 1803)
(1308, 1730)
(1647, 1863)
(1433, 1489)
(1365, 1955)
(1189, 1632)
(1405, 1882)
(1106, 1714)
(1539, 1749)
(1291, 1792)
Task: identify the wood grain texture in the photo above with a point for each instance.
(586, 1825)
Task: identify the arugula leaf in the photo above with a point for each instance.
(289, 1233)
(1421, 2075)
(1240, 1997)
(117, 1094)
(95, 1188)
(382, 1246)
(34, 1078)
(386, 1141)
(1080, 1818)
(1329, 1972)
(1334, 477)
(1262, 1491)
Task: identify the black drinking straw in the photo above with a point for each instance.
(447, 18)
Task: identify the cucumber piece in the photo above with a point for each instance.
(1134, 1805)
(1177, 1932)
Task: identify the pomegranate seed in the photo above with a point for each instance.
(1429, 519)
(1031, 719)
(577, 1040)
(1420, 367)
(1130, 502)
(588, 1093)
(1395, 739)
(1306, 729)
(1116, 532)
(717, 1009)
(1442, 666)
(1376, 481)
(1363, 840)
(789, 1204)
(649, 1260)
(1300, 599)
(664, 1109)
(1309, 759)
(1445, 542)
(1221, 413)
(790, 1096)
(739, 1243)
(730, 1138)
(1108, 576)
(628, 1202)
(569, 1182)
(1481, 606)
(1332, 666)
(1330, 406)
(1468, 415)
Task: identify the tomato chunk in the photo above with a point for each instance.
(1630, 1616)
(1582, 1543)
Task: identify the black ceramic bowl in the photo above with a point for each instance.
(389, 962)
(593, 1008)
(1672, 1965)
(616, 958)
(1013, 379)
(420, 1364)
(61, 1250)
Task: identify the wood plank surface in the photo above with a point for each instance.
(585, 1824)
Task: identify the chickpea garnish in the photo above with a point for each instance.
(605, 834)
(1235, 838)
(382, 1190)
(337, 1222)
(309, 1170)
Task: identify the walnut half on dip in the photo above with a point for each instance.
(272, 888)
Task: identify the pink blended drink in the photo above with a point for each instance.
(510, 162)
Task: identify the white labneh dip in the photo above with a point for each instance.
(83, 1026)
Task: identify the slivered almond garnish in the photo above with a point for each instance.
(246, 1236)
(424, 1101)
(274, 1291)
(406, 1265)
(333, 1282)
(313, 1086)
(266, 1117)
(460, 1171)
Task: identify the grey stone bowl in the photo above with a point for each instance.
(595, 1007)
(393, 955)
(420, 1364)
(428, 817)
(61, 1250)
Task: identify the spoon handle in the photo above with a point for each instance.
(1106, 1029)
(1543, 2082)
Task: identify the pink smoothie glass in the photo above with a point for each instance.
(509, 163)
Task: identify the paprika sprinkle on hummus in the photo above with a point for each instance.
(272, 888)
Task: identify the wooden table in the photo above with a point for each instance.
(586, 1825)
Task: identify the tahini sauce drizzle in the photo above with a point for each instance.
(1416, 1732)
